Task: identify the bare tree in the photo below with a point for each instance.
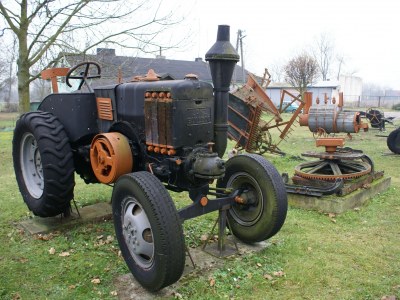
(3, 69)
(45, 27)
(277, 71)
(340, 62)
(301, 71)
(324, 54)
(7, 73)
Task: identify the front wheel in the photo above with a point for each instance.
(262, 188)
(148, 230)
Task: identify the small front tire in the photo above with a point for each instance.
(263, 189)
(148, 230)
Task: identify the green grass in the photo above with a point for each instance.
(312, 257)
(7, 120)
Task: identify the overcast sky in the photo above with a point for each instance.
(365, 32)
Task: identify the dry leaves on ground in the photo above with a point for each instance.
(64, 254)
(95, 281)
(212, 281)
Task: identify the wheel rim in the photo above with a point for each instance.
(246, 214)
(137, 233)
(31, 165)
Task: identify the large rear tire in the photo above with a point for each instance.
(264, 191)
(43, 163)
(148, 230)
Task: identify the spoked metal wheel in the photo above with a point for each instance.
(31, 165)
(148, 229)
(262, 208)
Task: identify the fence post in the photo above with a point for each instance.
(379, 101)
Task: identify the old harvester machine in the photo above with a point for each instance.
(252, 116)
(143, 138)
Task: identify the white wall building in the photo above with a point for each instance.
(351, 87)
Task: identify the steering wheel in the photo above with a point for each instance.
(83, 74)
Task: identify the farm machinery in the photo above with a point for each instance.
(144, 138)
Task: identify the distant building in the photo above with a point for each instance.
(350, 86)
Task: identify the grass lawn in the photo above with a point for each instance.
(355, 255)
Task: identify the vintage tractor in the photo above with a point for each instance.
(143, 138)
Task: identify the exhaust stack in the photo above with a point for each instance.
(222, 58)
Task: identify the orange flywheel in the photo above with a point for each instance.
(110, 156)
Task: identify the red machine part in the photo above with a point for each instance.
(110, 156)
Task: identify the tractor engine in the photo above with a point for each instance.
(169, 130)
(179, 122)
(175, 129)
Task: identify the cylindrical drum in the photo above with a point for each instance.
(322, 116)
(348, 122)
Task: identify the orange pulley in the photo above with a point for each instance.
(110, 156)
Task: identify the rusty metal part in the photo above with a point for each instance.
(330, 117)
(104, 108)
(333, 121)
(246, 119)
(253, 94)
(339, 164)
(110, 156)
(266, 81)
(150, 76)
(318, 191)
(203, 201)
(158, 114)
(52, 74)
(330, 144)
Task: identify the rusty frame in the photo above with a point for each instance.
(258, 102)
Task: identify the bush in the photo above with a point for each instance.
(396, 106)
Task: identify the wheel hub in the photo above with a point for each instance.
(31, 165)
(137, 233)
(249, 211)
(38, 164)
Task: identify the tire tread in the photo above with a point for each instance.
(57, 163)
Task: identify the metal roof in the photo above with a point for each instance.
(133, 66)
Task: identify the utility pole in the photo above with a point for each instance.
(239, 43)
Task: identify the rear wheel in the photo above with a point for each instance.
(264, 193)
(393, 141)
(43, 163)
(148, 230)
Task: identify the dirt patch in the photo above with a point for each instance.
(128, 288)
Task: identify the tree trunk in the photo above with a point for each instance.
(23, 85)
(23, 61)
